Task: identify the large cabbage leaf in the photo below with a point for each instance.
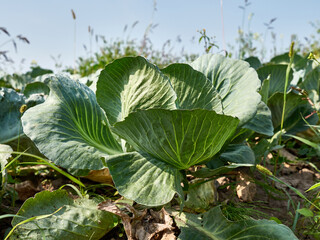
(181, 138)
(277, 75)
(234, 153)
(213, 225)
(132, 83)
(69, 127)
(237, 84)
(58, 216)
(193, 89)
(168, 141)
(262, 121)
(144, 179)
(311, 81)
(254, 62)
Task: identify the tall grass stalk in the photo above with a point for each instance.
(46, 162)
(74, 40)
(32, 219)
(291, 56)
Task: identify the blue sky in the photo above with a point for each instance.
(50, 28)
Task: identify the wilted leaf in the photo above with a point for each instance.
(245, 187)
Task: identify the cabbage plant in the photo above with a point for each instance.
(147, 125)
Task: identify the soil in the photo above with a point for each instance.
(273, 199)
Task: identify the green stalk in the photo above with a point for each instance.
(291, 55)
(31, 219)
(46, 162)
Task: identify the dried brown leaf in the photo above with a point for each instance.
(101, 176)
(246, 188)
(143, 225)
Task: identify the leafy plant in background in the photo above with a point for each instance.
(109, 50)
(208, 41)
(313, 44)
(273, 76)
(301, 111)
(25, 89)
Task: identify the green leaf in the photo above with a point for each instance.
(36, 88)
(213, 225)
(296, 108)
(238, 153)
(70, 128)
(277, 220)
(193, 89)
(237, 84)
(314, 186)
(144, 179)
(254, 62)
(36, 93)
(132, 83)
(262, 121)
(314, 145)
(234, 153)
(10, 103)
(277, 77)
(181, 138)
(77, 219)
(285, 59)
(305, 212)
(38, 71)
(264, 91)
(311, 81)
(19, 81)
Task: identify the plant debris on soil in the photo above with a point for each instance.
(249, 189)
